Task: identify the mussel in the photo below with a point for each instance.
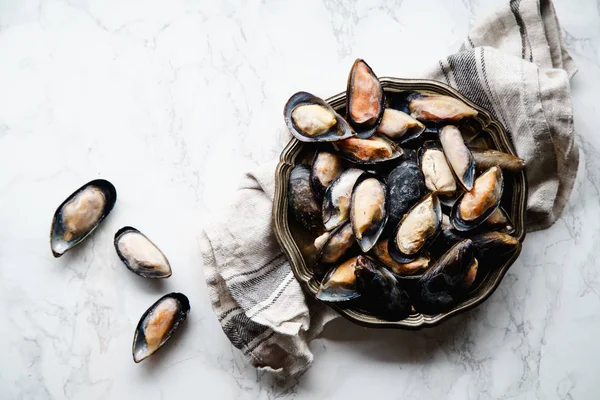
(365, 99)
(499, 220)
(334, 246)
(475, 206)
(438, 108)
(381, 293)
(80, 214)
(310, 119)
(380, 250)
(438, 176)
(158, 324)
(458, 155)
(336, 202)
(368, 213)
(375, 149)
(417, 230)
(140, 255)
(406, 187)
(486, 158)
(339, 284)
(399, 126)
(491, 245)
(326, 167)
(448, 280)
(302, 201)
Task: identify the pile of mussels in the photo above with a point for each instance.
(406, 216)
(78, 217)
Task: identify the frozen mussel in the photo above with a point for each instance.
(158, 324)
(486, 158)
(339, 284)
(326, 167)
(438, 108)
(140, 255)
(332, 246)
(302, 201)
(447, 281)
(80, 214)
(458, 155)
(365, 99)
(375, 149)
(399, 126)
(336, 202)
(417, 230)
(368, 210)
(475, 206)
(310, 119)
(412, 268)
(437, 173)
(406, 187)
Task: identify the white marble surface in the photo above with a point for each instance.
(171, 100)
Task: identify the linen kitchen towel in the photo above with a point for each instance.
(515, 65)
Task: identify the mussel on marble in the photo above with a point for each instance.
(336, 201)
(474, 207)
(458, 155)
(438, 108)
(310, 119)
(375, 149)
(326, 167)
(438, 175)
(80, 214)
(399, 126)
(303, 203)
(140, 255)
(158, 324)
(487, 158)
(368, 210)
(365, 99)
(416, 230)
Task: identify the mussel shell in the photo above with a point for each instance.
(58, 243)
(139, 261)
(339, 242)
(367, 239)
(381, 293)
(326, 167)
(487, 158)
(357, 150)
(341, 130)
(364, 129)
(441, 185)
(411, 269)
(337, 198)
(303, 203)
(459, 156)
(406, 186)
(176, 308)
(500, 221)
(399, 126)
(439, 108)
(447, 281)
(393, 247)
(339, 284)
(494, 244)
(460, 223)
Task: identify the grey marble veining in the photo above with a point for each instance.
(171, 101)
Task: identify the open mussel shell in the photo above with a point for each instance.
(310, 119)
(80, 214)
(500, 221)
(448, 280)
(337, 198)
(487, 158)
(333, 248)
(368, 210)
(399, 126)
(381, 293)
(376, 149)
(302, 201)
(326, 167)
(438, 175)
(339, 284)
(140, 255)
(417, 230)
(458, 155)
(473, 208)
(365, 99)
(411, 269)
(406, 186)
(438, 108)
(158, 324)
